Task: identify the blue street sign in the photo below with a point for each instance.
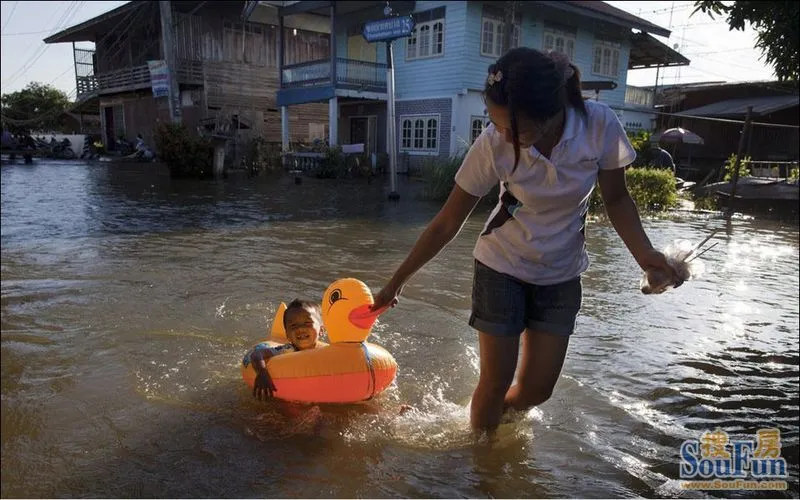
(388, 29)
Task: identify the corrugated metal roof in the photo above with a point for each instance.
(636, 21)
(648, 52)
(738, 107)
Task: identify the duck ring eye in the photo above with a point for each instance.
(335, 296)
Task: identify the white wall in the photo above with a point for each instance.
(464, 107)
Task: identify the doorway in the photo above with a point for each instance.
(114, 126)
(364, 130)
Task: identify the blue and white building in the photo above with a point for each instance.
(441, 68)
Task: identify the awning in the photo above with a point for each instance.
(608, 13)
(737, 108)
(649, 52)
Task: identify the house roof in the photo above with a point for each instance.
(606, 12)
(649, 52)
(97, 27)
(734, 108)
(85, 31)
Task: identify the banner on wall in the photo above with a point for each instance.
(159, 78)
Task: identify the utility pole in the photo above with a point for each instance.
(739, 153)
(508, 31)
(168, 43)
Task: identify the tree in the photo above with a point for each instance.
(777, 25)
(36, 107)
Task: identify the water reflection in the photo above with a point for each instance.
(128, 299)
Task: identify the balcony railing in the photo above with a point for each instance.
(136, 77)
(350, 73)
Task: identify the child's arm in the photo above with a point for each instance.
(263, 385)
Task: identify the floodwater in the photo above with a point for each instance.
(128, 300)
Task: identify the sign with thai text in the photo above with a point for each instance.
(159, 78)
(388, 29)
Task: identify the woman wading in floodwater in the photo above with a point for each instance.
(547, 148)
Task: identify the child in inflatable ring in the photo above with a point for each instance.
(303, 323)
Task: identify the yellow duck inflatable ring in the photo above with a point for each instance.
(347, 370)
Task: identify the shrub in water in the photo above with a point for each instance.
(186, 156)
(333, 165)
(730, 165)
(652, 189)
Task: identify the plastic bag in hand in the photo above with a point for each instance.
(682, 256)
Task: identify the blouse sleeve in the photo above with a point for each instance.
(477, 175)
(617, 149)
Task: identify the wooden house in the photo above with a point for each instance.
(227, 70)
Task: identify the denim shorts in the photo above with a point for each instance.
(504, 306)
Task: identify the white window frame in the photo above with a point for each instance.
(496, 27)
(414, 45)
(606, 58)
(408, 143)
(484, 120)
(566, 38)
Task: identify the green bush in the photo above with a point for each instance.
(706, 203)
(652, 189)
(333, 165)
(642, 145)
(185, 155)
(794, 174)
(730, 165)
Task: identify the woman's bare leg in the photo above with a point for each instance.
(498, 363)
(542, 359)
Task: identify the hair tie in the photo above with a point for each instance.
(494, 77)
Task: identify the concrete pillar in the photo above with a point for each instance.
(170, 56)
(284, 128)
(333, 121)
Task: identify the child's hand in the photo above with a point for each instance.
(263, 386)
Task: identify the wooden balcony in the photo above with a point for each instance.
(135, 78)
(350, 74)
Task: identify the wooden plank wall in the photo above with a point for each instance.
(240, 65)
(241, 68)
(135, 39)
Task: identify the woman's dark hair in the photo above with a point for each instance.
(534, 84)
(300, 304)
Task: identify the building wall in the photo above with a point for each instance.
(465, 107)
(441, 108)
(462, 67)
(436, 76)
(637, 120)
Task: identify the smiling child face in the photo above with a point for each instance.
(303, 327)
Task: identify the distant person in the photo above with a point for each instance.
(141, 150)
(661, 158)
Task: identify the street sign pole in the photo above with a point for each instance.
(387, 30)
(392, 125)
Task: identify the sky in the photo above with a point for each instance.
(716, 54)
